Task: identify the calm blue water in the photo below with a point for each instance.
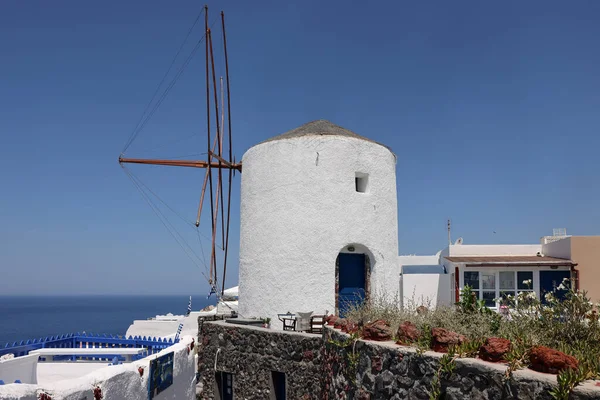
(24, 318)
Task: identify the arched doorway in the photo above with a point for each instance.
(352, 276)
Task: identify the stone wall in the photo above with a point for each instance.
(333, 367)
(384, 370)
(251, 353)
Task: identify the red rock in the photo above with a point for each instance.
(407, 333)
(443, 338)
(377, 330)
(544, 359)
(308, 355)
(350, 327)
(340, 323)
(494, 349)
(330, 319)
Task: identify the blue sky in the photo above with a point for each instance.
(491, 107)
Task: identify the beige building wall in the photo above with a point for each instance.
(585, 251)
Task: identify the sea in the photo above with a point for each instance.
(30, 317)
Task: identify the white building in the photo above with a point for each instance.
(423, 281)
(318, 222)
(497, 270)
(492, 271)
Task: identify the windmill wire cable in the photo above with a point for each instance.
(166, 92)
(164, 220)
(157, 210)
(201, 247)
(171, 229)
(169, 207)
(163, 78)
(161, 200)
(163, 96)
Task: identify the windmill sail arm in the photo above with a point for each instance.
(182, 163)
(222, 160)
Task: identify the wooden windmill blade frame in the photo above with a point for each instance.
(216, 159)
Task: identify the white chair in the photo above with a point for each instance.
(303, 321)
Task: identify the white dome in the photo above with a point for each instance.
(308, 195)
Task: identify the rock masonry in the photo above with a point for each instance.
(333, 366)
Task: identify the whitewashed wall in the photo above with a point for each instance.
(299, 209)
(120, 382)
(419, 260)
(430, 290)
(21, 368)
(560, 249)
(165, 327)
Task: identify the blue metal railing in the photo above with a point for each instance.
(88, 340)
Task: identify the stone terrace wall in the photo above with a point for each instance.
(384, 370)
(251, 353)
(320, 368)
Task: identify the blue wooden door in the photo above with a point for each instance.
(549, 280)
(351, 281)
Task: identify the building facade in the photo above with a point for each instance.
(495, 271)
(584, 251)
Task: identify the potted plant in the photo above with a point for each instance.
(266, 322)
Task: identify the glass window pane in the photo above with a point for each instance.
(525, 280)
(488, 279)
(507, 280)
(472, 279)
(489, 297)
(505, 293)
(531, 291)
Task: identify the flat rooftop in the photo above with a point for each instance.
(51, 372)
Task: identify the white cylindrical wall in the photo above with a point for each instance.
(300, 208)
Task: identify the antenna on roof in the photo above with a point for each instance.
(459, 241)
(449, 237)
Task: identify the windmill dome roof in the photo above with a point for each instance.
(320, 127)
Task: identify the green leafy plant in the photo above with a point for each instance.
(517, 357)
(567, 380)
(564, 319)
(352, 356)
(469, 348)
(423, 343)
(444, 371)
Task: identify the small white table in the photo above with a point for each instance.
(103, 352)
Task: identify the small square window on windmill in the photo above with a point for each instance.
(361, 181)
